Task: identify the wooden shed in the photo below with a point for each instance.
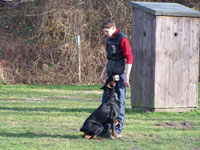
(165, 44)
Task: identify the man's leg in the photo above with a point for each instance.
(121, 92)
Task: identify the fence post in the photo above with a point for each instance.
(78, 58)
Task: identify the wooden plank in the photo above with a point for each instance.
(181, 97)
(138, 81)
(186, 62)
(194, 62)
(134, 80)
(159, 70)
(150, 63)
(158, 57)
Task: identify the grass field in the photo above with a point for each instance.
(36, 117)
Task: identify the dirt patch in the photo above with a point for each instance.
(179, 125)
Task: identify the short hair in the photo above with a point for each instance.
(108, 24)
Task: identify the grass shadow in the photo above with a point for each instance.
(48, 109)
(38, 135)
(53, 109)
(131, 111)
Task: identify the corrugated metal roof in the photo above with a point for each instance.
(165, 9)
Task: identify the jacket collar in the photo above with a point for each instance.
(113, 35)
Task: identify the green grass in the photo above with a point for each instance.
(37, 117)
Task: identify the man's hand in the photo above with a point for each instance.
(102, 79)
(126, 80)
(127, 73)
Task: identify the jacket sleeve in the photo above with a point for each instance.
(126, 50)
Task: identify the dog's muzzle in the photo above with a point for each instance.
(116, 78)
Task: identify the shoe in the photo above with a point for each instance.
(112, 137)
(119, 135)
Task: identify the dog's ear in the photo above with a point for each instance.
(111, 84)
(103, 87)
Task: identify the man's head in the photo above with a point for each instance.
(109, 27)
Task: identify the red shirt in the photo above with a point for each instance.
(125, 48)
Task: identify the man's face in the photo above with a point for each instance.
(109, 31)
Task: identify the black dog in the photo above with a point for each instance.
(107, 112)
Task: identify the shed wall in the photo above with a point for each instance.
(143, 45)
(177, 58)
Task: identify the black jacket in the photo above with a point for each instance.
(116, 59)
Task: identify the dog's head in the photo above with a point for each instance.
(110, 85)
(111, 82)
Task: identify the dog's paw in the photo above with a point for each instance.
(87, 136)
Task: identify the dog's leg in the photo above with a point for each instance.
(116, 122)
(90, 137)
(99, 128)
(93, 137)
(114, 130)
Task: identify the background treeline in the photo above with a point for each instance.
(38, 38)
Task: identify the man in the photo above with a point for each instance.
(119, 61)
